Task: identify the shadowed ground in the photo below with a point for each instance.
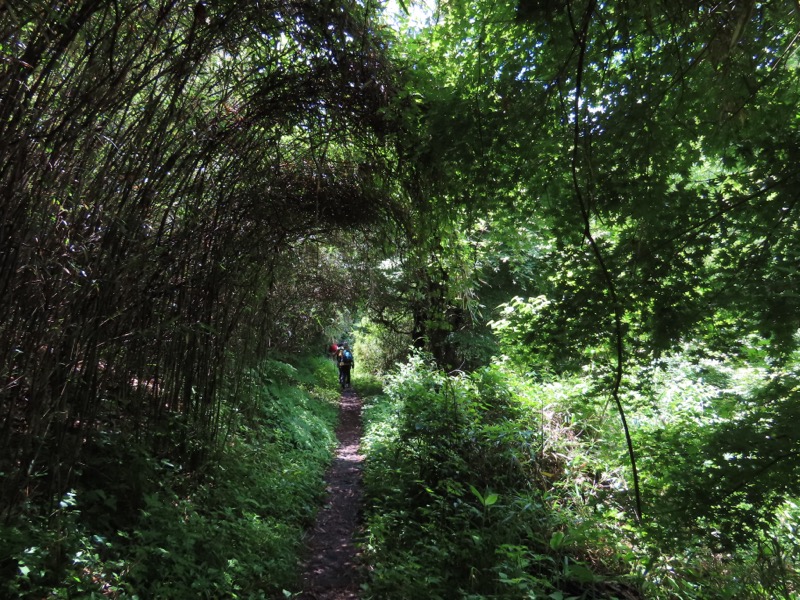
(331, 568)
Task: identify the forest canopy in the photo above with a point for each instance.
(614, 190)
(164, 168)
(595, 196)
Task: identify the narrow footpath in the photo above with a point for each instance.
(331, 570)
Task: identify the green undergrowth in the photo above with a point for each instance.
(477, 490)
(367, 386)
(136, 526)
(491, 485)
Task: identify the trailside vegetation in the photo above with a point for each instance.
(482, 486)
(564, 232)
(175, 178)
(136, 525)
(497, 485)
(608, 195)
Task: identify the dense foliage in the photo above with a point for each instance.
(489, 485)
(584, 212)
(613, 195)
(137, 526)
(471, 498)
(172, 178)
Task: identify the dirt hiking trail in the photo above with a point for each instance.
(331, 569)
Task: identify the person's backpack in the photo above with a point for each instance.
(347, 357)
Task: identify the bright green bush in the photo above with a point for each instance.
(377, 349)
(471, 497)
(719, 459)
(713, 426)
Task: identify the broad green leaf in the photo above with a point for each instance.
(557, 540)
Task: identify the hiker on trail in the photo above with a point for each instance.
(333, 351)
(344, 359)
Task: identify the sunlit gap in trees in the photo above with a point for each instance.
(409, 15)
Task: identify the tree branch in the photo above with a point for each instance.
(585, 209)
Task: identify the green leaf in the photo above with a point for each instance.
(478, 495)
(581, 573)
(557, 540)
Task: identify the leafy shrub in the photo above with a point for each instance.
(468, 500)
(141, 527)
(377, 348)
(719, 458)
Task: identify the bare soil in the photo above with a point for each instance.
(331, 569)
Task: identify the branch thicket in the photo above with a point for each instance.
(161, 164)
